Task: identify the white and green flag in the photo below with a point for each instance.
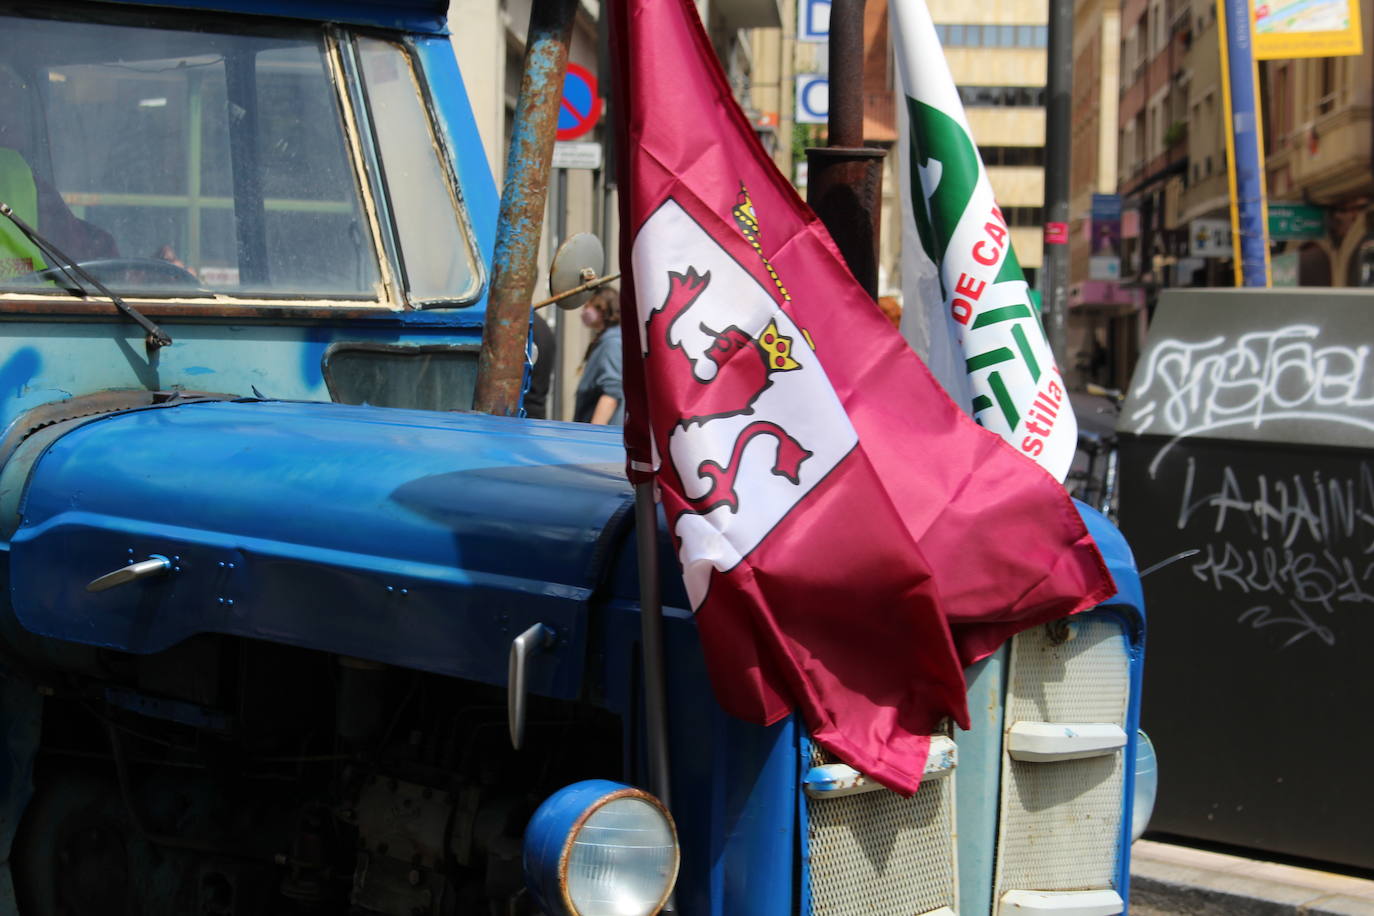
(967, 307)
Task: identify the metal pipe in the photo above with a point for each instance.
(1059, 86)
(845, 178)
(501, 363)
(846, 56)
(651, 642)
(590, 284)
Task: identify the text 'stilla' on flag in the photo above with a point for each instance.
(849, 539)
(967, 307)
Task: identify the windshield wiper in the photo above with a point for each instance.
(156, 336)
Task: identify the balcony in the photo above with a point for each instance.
(1329, 159)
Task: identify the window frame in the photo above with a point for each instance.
(391, 298)
(355, 87)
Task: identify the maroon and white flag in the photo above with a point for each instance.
(849, 538)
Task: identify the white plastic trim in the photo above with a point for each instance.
(1061, 903)
(834, 780)
(1047, 742)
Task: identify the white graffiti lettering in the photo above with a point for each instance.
(1325, 509)
(1304, 540)
(1193, 388)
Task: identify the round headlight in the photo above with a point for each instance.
(1146, 784)
(600, 848)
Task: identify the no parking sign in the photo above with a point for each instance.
(580, 108)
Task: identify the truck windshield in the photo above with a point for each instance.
(173, 157)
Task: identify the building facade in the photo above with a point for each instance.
(1318, 133)
(996, 54)
(1104, 313)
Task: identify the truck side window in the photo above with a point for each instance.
(437, 252)
(155, 143)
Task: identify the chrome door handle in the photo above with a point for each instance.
(536, 638)
(153, 566)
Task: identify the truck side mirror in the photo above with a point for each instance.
(579, 261)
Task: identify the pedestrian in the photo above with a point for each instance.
(541, 372)
(600, 395)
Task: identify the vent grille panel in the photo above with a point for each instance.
(1060, 821)
(879, 854)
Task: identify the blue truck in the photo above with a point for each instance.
(277, 601)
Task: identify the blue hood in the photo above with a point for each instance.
(427, 540)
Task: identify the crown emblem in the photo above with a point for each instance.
(777, 349)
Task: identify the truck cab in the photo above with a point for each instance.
(276, 599)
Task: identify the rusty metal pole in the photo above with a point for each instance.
(845, 178)
(501, 364)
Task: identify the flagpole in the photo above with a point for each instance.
(651, 642)
(637, 435)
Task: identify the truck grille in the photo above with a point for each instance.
(880, 854)
(1061, 824)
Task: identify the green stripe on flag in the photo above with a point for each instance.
(999, 389)
(990, 358)
(1011, 268)
(1006, 313)
(936, 136)
(1027, 353)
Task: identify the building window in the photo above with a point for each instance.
(1024, 216)
(1012, 155)
(992, 36)
(1326, 83)
(1002, 96)
(1282, 114)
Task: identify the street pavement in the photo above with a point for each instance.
(1168, 880)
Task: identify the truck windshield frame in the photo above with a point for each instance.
(205, 165)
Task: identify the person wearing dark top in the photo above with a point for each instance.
(541, 373)
(600, 396)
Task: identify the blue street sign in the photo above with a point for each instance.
(813, 98)
(1245, 164)
(813, 20)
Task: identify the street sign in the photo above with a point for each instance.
(813, 98)
(1104, 235)
(1056, 233)
(813, 20)
(571, 154)
(1209, 238)
(1106, 208)
(1306, 28)
(1296, 221)
(581, 105)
